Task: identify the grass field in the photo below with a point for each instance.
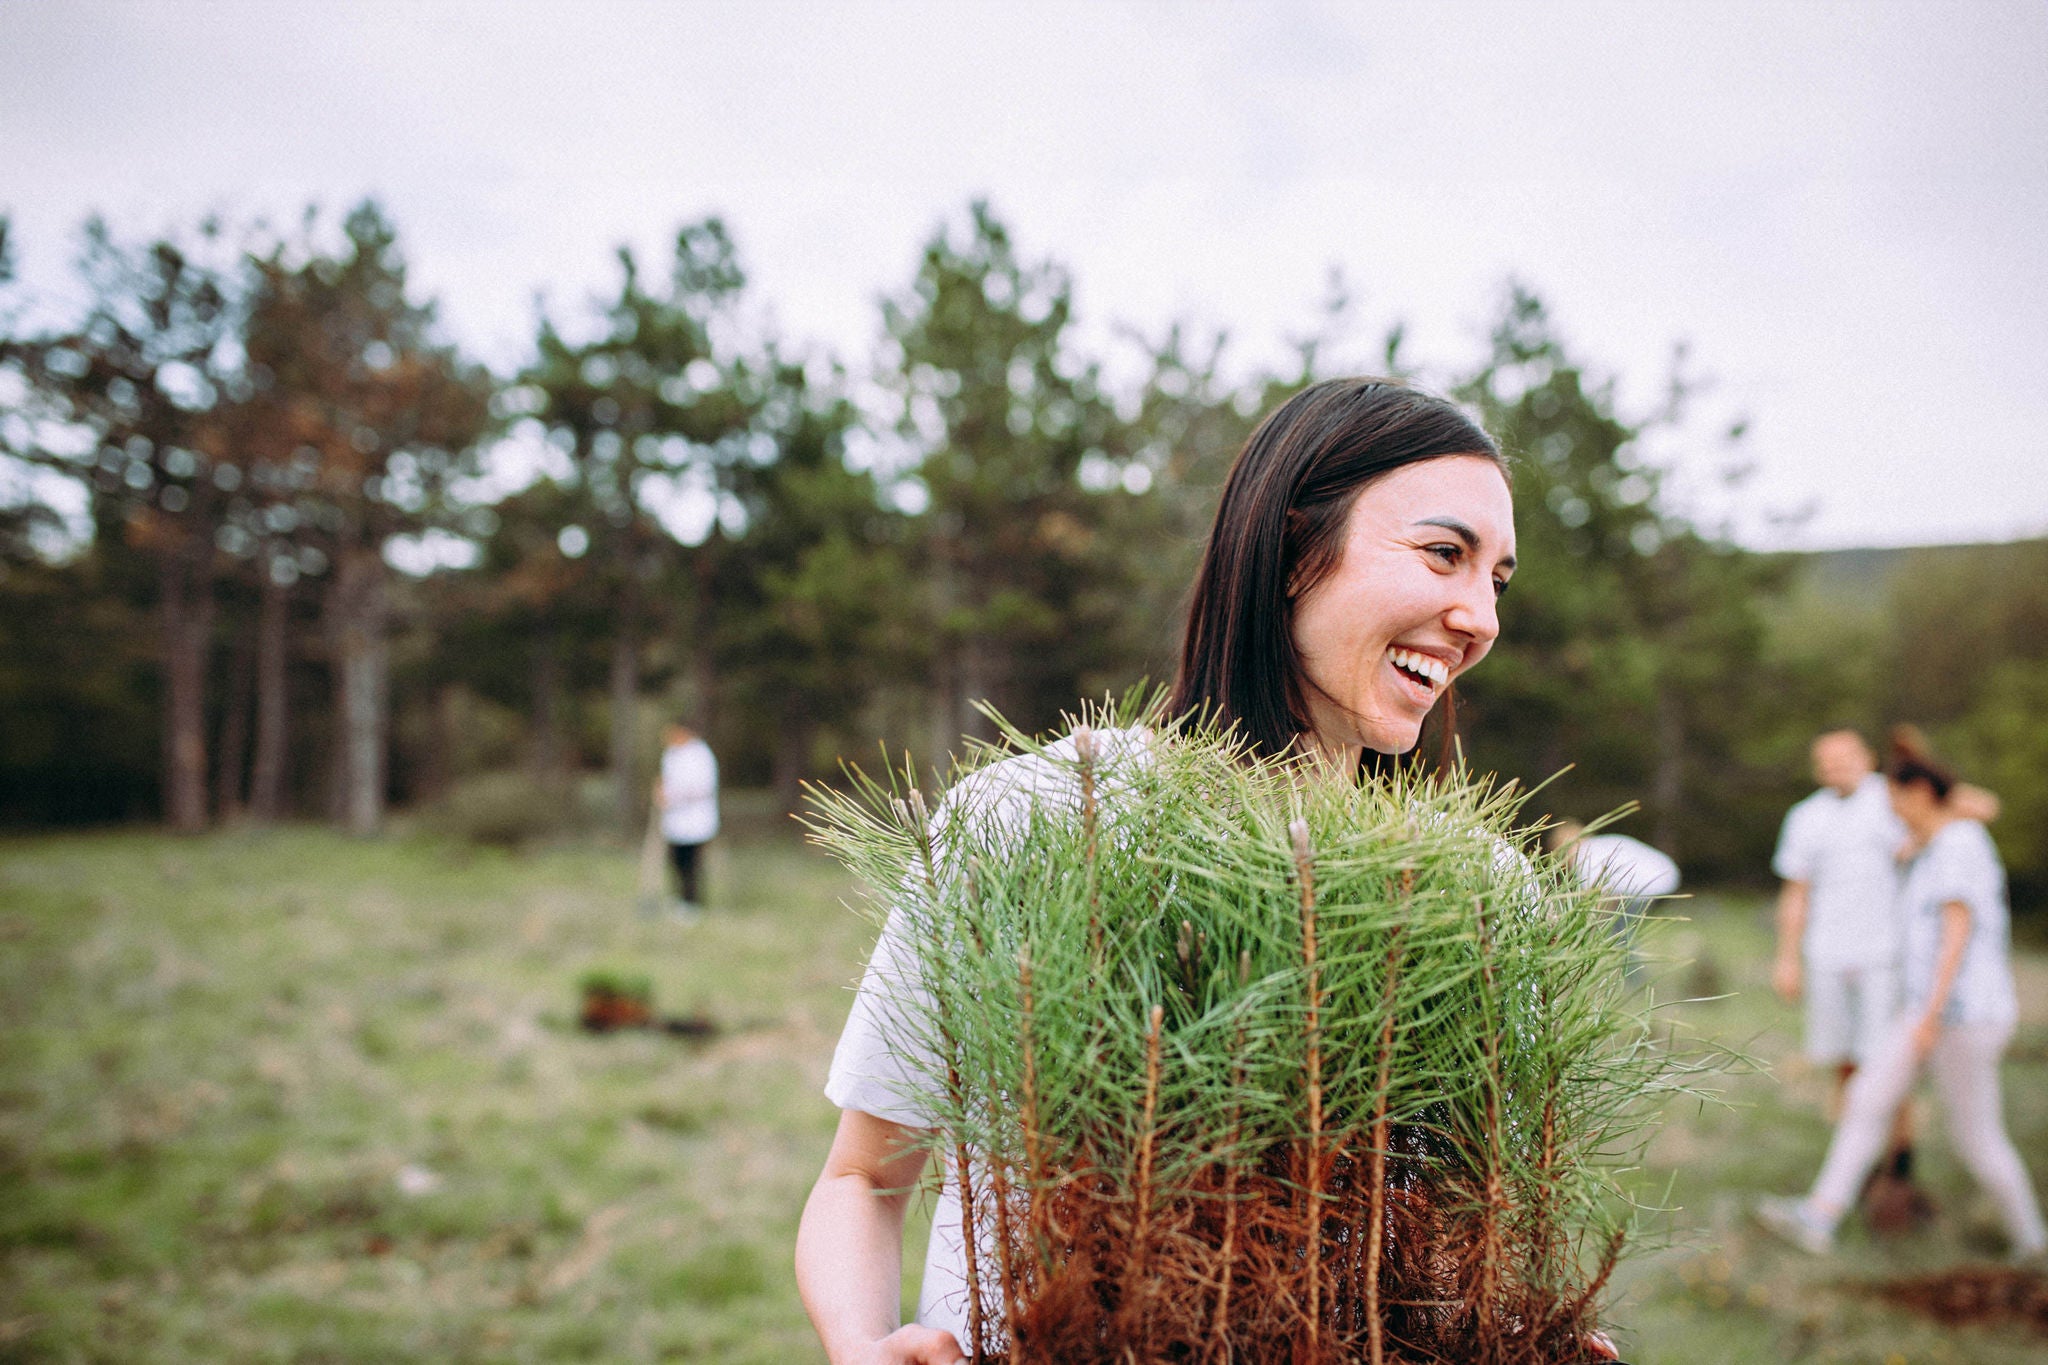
(288, 1097)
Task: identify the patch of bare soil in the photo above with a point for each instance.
(1973, 1295)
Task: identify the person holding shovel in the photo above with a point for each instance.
(687, 795)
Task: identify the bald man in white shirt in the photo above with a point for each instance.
(1838, 929)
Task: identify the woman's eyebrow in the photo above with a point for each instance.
(1464, 533)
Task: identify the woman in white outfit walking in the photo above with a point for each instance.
(1960, 1011)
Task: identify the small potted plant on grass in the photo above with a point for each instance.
(616, 1000)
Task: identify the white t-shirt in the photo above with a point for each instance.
(1626, 867)
(689, 792)
(1845, 848)
(1960, 863)
(874, 1071)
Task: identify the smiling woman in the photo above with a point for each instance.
(1409, 605)
(1362, 538)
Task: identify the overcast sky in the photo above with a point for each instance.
(1840, 207)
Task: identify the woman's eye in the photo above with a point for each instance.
(1500, 588)
(1447, 553)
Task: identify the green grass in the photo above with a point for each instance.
(222, 1061)
(1719, 1289)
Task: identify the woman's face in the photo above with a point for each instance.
(1915, 803)
(1410, 604)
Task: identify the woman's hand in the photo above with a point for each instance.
(1973, 803)
(913, 1345)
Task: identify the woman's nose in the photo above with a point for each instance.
(1476, 612)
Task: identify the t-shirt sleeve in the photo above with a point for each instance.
(883, 1066)
(886, 1063)
(1794, 861)
(1960, 869)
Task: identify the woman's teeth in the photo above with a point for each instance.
(1421, 667)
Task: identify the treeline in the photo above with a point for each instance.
(305, 588)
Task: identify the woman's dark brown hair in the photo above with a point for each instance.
(1279, 530)
(1909, 759)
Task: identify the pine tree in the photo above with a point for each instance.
(381, 415)
(645, 410)
(122, 402)
(1003, 416)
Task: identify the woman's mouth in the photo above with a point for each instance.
(1422, 672)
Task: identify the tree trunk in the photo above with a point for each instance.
(267, 777)
(233, 749)
(792, 755)
(437, 765)
(980, 677)
(185, 616)
(702, 656)
(1667, 783)
(948, 704)
(625, 695)
(546, 754)
(362, 682)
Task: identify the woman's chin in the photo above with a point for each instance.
(1382, 729)
(1392, 739)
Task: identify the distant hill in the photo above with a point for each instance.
(1857, 581)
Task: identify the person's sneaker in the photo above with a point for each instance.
(685, 912)
(1790, 1220)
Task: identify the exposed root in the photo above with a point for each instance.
(1082, 1304)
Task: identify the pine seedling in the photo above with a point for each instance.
(1232, 1059)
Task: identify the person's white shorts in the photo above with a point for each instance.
(1848, 1010)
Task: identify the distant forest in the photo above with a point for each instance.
(328, 566)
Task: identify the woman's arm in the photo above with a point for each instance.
(1974, 803)
(1786, 970)
(849, 1248)
(1948, 960)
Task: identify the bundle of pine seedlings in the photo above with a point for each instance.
(1237, 1060)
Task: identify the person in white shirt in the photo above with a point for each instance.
(1363, 535)
(1838, 933)
(687, 793)
(1630, 872)
(1961, 1007)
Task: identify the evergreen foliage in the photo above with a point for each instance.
(1243, 1060)
(1019, 587)
(212, 459)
